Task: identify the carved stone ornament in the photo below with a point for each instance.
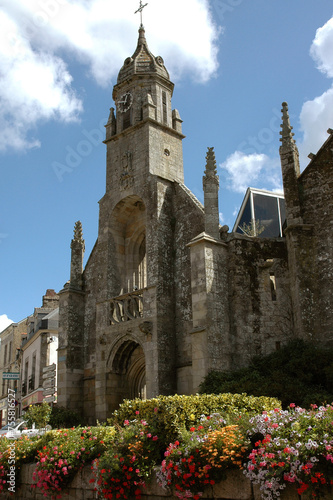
(126, 180)
(146, 327)
(126, 161)
(102, 339)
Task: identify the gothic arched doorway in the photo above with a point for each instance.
(128, 371)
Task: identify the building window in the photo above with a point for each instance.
(33, 373)
(127, 119)
(262, 214)
(164, 108)
(10, 352)
(5, 356)
(25, 379)
(273, 286)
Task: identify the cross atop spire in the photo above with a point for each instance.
(140, 9)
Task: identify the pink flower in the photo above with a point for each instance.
(155, 438)
(137, 412)
(126, 422)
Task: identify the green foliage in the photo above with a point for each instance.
(300, 372)
(170, 414)
(62, 417)
(275, 446)
(38, 415)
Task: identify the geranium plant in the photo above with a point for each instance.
(202, 457)
(123, 470)
(293, 446)
(65, 452)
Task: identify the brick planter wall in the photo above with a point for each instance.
(235, 487)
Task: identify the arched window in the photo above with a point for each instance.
(128, 226)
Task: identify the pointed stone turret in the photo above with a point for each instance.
(77, 247)
(211, 201)
(142, 62)
(290, 168)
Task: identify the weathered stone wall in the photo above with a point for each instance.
(71, 349)
(260, 317)
(234, 487)
(188, 223)
(315, 245)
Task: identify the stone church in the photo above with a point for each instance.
(167, 294)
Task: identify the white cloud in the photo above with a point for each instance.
(322, 48)
(34, 86)
(36, 38)
(4, 322)
(252, 170)
(317, 115)
(315, 118)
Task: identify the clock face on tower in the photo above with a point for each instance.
(125, 102)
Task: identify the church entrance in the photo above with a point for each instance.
(128, 372)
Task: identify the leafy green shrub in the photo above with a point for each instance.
(300, 372)
(62, 417)
(38, 415)
(170, 414)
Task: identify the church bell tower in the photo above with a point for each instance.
(135, 330)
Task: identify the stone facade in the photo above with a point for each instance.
(166, 294)
(10, 339)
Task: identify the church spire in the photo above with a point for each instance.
(142, 62)
(290, 168)
(77, 247)
(287, 135)
(211, 189)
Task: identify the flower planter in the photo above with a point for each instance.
(235, 487)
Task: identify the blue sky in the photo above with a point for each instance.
(233, 62)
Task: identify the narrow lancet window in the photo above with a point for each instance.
(273, 286)
(164, 108)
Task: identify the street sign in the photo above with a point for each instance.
(11, 375)
(49, 368)
(50, 399)
(49, 382)
(49, 391)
